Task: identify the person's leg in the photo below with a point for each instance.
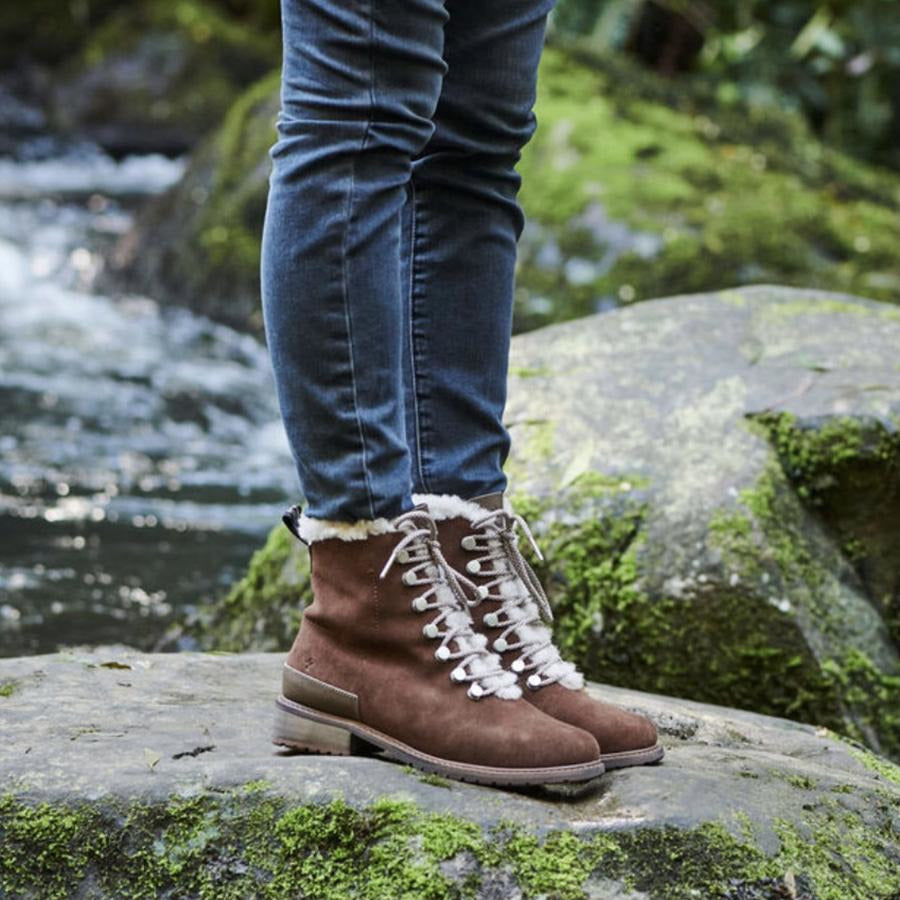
(461, 226)
(359, 86)
(462, 223)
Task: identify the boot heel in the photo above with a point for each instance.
(294, 731)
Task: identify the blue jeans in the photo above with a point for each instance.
(389, 243)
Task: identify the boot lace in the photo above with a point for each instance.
(445, 595)
(524, 612)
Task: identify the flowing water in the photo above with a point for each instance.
(141, 456)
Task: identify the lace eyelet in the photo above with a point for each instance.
(442, 653)
(534, 681)
(517, 665)
(458, 675)
(500, 645)
(476, 691)
(469, 542)
(491, 620)
(430, 630)
(403, 555)
(473, 566)
(483, 591)
(420, 604)
(409, 578)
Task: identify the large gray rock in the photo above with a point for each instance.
(715, 479)
(715, 482)
(152, 775)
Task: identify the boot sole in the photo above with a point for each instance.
(302, 728)
(624, 758)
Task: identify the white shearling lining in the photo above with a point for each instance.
(450, 506)
(311, 530)
(539, 633)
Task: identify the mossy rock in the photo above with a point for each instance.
(634, 187)
(170, 788)
(638, 187)
(198, 244)
(158, 75)
(715, 483)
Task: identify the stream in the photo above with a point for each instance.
(142, 459)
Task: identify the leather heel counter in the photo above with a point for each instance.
(318, 694)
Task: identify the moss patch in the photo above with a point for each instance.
(718, 643)
(848, 471)
(8, 687)
(882, 767)
(847, 692)
(637, 187)
(250, 843)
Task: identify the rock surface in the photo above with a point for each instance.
(714, 480)
(112, 757)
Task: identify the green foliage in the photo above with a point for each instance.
(837, 62)
(48, 29)
(164, 67)
(709, 196)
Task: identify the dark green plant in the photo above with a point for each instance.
(838, 61)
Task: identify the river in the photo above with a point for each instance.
(141, 455)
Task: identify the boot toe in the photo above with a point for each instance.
(618, 730)
(562, 744)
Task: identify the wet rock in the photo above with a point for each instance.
(103, 795)
(714, 480)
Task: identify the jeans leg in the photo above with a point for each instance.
(360, 82)
(462, 223)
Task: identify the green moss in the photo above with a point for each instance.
(847, 692)
(8, 686)
(840, 855)
(250, 843)
(801, 782)
(882, 767)
(741, 654)
(229, 232)
(732, 195)
(848, 471)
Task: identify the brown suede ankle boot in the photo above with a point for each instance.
(479, 538)
(386, 658)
